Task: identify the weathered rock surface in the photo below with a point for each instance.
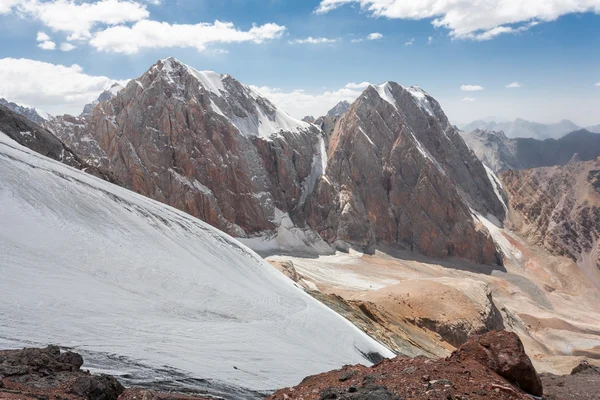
(559, 208)
(48, 373)
(454, 308)
(503, 353)
(464, 375)
(399, 173)
(500, 153)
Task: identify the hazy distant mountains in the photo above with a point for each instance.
(500, 152)
(521, 128)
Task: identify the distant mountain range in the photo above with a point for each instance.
(500, 153)
(521, 128)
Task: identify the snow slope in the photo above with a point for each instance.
(90, 265)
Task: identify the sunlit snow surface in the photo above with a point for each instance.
(92, 266)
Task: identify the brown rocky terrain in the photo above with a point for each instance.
(559, 209)
(399, 173)
(492, 366)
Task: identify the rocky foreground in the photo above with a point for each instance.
(490, 366)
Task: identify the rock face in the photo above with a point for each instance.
(203, 143)
(503, 353)
(38, 139)
(399, 173)
(559, 208)
(492, 366)
(48, 373)
(32, 114)
(521, 128)
(501, 153)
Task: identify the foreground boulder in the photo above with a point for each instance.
(490, 366)
(51, 374)
(503, 353)
(46, 373)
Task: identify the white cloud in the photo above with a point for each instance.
(299, 103)
(469, 99)
(66, 46)
(479, 20)
(75, 18)
(353, 85)
(597, 84)
(410, 42)
(375, 36)
(430, 40)
(153, 34)
(42, 36)
(57, 89)
(471, 88)
(47, 45)
(514, 85)
(312, 40)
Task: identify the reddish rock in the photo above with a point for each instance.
(559, 208)
(503, 353)
(400, 174)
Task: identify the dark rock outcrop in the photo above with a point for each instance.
(50, 373)
(36, 138)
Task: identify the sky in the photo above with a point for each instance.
(534, 59)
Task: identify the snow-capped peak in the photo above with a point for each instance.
(229, 98)
(420, 97)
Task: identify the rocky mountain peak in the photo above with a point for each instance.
(339, 109)
(106, 95)
(398, 173)
(250, 112)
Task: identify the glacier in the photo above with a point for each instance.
(94, 267)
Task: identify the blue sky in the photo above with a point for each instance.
(550, 48)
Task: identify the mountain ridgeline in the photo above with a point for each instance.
(390, 170)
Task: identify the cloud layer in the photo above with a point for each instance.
(299, 104)
(471, 88)
(479, 20)
(53, 88)
(123, 26)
